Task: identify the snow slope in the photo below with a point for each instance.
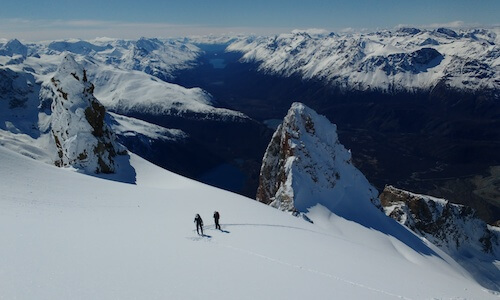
(66, 235)
(128, 91)
(127, 126)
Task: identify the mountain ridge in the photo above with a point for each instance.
(407, 59)
(455, 229)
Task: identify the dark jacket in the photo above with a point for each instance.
(198, 220)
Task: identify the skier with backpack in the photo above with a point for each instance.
(199, 224)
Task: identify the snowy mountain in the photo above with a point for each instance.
(306, 170)
(407, 59)
(129, 76)
(305, 165)
(130, 92)
(454, 228)
(104, 239)
(159, 58)
(127, 80)
(12, 48)
(76, 122)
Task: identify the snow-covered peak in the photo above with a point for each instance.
(305, 165)
(148, 45)
(70, 70)
(160, 58)
(76, 123)
(77, 47)
(13, 47)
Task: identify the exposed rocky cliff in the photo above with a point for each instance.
(454, 228)
(305, 165)
(82, 138)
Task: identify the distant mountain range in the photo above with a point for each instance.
(408, 59)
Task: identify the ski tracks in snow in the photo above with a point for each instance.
(356, 284)
(307, 269)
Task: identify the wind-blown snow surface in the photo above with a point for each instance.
(407, 59)
(66, 235)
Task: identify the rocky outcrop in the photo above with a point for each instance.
(447, 225)
(82, 139)
(454, 228)
(305, 165)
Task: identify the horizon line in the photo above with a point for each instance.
(84, 29)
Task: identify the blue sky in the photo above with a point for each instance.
(51, 19)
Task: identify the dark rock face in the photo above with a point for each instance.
(13, 89)
(455, 229)
(450, 226)
(305, 165)
(409, 31)
(19, 103)
(448, 32)
(414, 62)
(272, 174)
(79, 47)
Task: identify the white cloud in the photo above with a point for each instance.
(452, 25)
(38, 30)
(312, 31)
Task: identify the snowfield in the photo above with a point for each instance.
(67, 235)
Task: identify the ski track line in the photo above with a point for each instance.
(313, 271)
(297, 228)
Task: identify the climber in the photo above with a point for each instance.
(216, 218)
(199, 224)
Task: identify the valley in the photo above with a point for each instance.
(432, 142)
